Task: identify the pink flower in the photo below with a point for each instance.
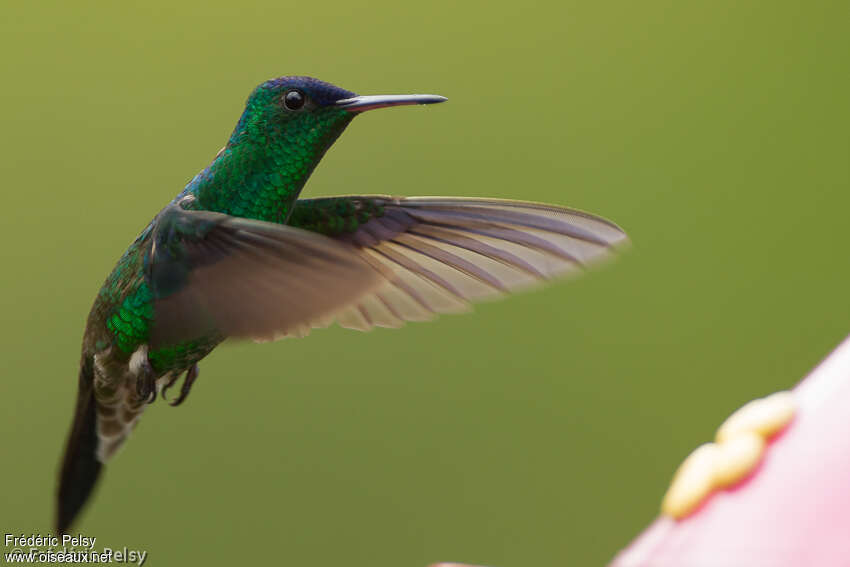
(792, 509)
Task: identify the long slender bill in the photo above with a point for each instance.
(363, 103)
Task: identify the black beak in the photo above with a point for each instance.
(364, 103)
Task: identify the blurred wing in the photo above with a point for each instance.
(214, 274)
(440, 253)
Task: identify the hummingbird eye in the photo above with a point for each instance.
(294, 99)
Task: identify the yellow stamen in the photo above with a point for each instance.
(741, 442)
(765, 416)
(692, 483)
(736, 458)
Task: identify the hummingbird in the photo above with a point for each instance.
(237, 255)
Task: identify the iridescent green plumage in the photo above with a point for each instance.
(261, 171)
(334, 216)
(236, 254)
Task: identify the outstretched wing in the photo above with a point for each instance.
(440, 253)
(216, 274)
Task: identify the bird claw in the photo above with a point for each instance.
(191, 375)
(171, 380)
(146, 382)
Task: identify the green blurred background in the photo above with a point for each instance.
(540, 431)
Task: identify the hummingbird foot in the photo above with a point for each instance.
(191, 376)
(172, 378)
(146, 380)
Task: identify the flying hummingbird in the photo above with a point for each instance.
(238, 255)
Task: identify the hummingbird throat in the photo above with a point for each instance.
(262, 169)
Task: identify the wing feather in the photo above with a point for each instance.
(439, 254)
(214, 274)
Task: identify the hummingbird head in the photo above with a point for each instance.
(309, 112)
(287, 126)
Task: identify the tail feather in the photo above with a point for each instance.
(80, 466)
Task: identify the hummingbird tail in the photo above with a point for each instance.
(80, 466)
